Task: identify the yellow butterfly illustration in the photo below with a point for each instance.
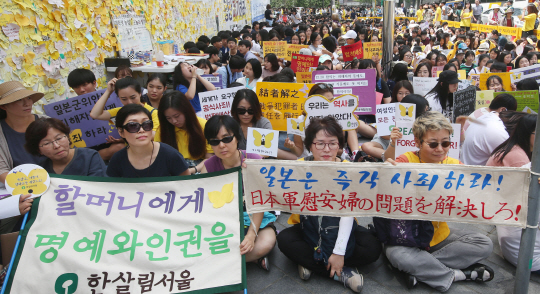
(34, 183)
(406, 111)
(299, 126)
(219, 199)
(264, 140)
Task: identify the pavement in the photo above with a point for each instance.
(378, 276)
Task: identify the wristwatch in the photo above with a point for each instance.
(382, 157)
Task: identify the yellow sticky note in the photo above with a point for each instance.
(22, 20)
(6, 18)
(80, 45)
(29, 57)
(57, 16)
(30, 69)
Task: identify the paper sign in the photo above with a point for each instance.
(280, 101)
(217, 102)
(435, 70)
(352, 51)
(385, 118)
(464, 102)
(524, 98)
(371, 49)
(75, 113)
(302, 63)
(12, 31)
(294, 48)
(463, 84)
(505, 76)
(405, 113)
(524, 73)
(28, 179)
(296, 127)
(407, 143)
(378, 98)
(277, 47)
(303, 77)
(461, 73)
(214, 80)
(484, 98)
(262, 141)
(358, 82)
(422, 86)
(341, 108)
(528, 110)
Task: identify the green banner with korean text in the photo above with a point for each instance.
(148, 235)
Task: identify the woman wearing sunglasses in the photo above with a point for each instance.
(223, 133)
(453, 254)
(142, 157)
(182, 129)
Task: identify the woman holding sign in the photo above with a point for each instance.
(223, 133)
(441, 97)
(444, 255)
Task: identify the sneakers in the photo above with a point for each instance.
(352, 279)
(304, 273)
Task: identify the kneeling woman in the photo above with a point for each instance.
(223, 133)
(345, 245)
(143, 157)
(453, 254)
(49, 137)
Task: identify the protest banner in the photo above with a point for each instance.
(277, 47)
(214, 80)
(75, 113)
(510, 31)
(505, 76)
(294, 48)
(422, 86)
(152, 235)
(392, 114)
(464, 102)
(262, 141)
(407, 143)
(358, 82)
(217, 102)
(296, 126)
(303, 77)
(475, 78)
(280, 101)
(461, 73)
(371, 49)
(524, 99)
(302, 63)
(352, 51)
(524, 73)
(475, 27)
(484, 98)
(435, 70)
(435, 192)
(341, 108)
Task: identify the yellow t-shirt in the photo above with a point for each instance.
(465, 22)
(152, 110)
(420, 15)
(529, 19)
(438, 14)
(182, 140)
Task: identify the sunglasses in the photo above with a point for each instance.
(225, 140)
(434, 145)
(242, 111)
(134, 127)
(326, 86)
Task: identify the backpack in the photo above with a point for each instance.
(409, 233)
(536, 24)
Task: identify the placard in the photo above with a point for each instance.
(407, 143)
(528, 110)
(302, 63)
(358, 82)
(75, 113)
(405, 113)
(484, 98)
(132, 34)
(262, 141)
(27, 179)
(505, 76)
(352, 51)
(341, 108)
(422, 86)
(217, 102)
(293, 48)
(303, 77)
(524, 99)
(464, 102)
(371, 49)
(524, 73)
(385, 118)
(435, 70)
(214, 80)
(463, 84)
(461, 73)
(296, 126)
(277, 47)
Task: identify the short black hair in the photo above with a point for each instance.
(527, 84)
(215, 39)
(504, 100)
(201, 45)
(330, 126)
(214, 124)
(188, 45)
(128, 110)
(194, 50)
(38, 130)
(245, 43)
(256, 67)
(236, 34)
(80, 76)
(204, 39)
(498, 66)
(127, 82)
(226, 36)
(237, 62)
(211, 51)
(231, 39)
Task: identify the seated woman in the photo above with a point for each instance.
(453, 254)
(49, 137)
(156, 85)
(143, 157)
(182, 129)
(252, 74)
(187, 81)
(344, 245)
(441, 97)
(223, 134)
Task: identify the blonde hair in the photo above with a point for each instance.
(430, 121)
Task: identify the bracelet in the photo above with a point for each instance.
(195, 169)
(392, 144)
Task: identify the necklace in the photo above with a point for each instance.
(239, 155)
(149, 164)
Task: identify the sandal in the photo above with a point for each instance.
(260, 263)
(479, 269)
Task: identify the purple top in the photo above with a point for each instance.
(213, 164)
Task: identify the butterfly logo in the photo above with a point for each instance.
(298, 125)
(219, 199)
(404, 111)
(517, 75)
(263, 140)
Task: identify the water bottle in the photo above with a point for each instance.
(160, 58)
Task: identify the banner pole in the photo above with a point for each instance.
(14, 254)
(528, 235)
(388, 37)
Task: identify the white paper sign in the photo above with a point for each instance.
(405, 113)
(406, 143)
(341, 108)
(296, 126)
(464, 84)
(217, 102)
(262, 141)
(423, 85)
(527, 109)
(385, 118)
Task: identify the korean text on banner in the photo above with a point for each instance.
(214, 80)
(371, 49)
(422, 86)
(505, 76)
(352, 51)
(183, 232)
(280, 101)
(293, 48)
(75, 113)
(358, 82)
(464, 102)
(303, 77)
(392, 114)
(217, 102)
(524, 73)
(435, 70)
(436, 192)
(277, 47)
(524, 99)
(302, 63)
(341, 108)
(407, 142)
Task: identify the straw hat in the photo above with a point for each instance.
(14, 91)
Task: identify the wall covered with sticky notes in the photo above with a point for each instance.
(41, 41)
